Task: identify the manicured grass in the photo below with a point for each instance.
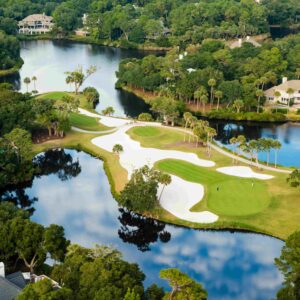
(59, 95)
(146, 131)
(279, 215)
(225, 195)
(86, 122)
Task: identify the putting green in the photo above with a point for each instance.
(146, 131)
(224, 195)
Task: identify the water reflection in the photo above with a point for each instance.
(49, 60)
(231, 266)
(56, 162)
(141, 231)
(287, 134)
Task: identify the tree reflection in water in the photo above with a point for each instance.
(141, 231)
(56, 162)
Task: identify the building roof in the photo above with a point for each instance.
(8, 290)
(294, 84)
(37, 17)
(17, 278)
(238, 43)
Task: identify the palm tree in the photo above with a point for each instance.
(199, 93)
(27, 82)
(219, 95)
(212, 83)
(193, 122)
(187, 117)
(238, 104)
(290, 92)
(259, 93)
(233, 141)
(108, 111)
(241, 141)
(277, 94)
(203, 100)
(276, 145)
(164, 179)
(298, 73)
(34, 79)
(211, 133)
(117, 148)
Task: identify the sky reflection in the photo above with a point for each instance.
(231, 266)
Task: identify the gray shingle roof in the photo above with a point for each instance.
(17, 278)
(8, 290)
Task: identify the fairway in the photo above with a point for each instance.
(86, 123)
(225, 195)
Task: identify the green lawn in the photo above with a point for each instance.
(58, 95)
(86, 123)
(225, 195)
(271, 206)
(147, 131)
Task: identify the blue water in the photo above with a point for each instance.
(65, 56)
(230, 265)
(288, 134)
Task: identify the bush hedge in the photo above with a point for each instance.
(246, 116)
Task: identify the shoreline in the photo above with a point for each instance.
(90, 41)
(148, 96)
(13, 70)
(82, 142)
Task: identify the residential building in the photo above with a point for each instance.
(11, 285)
(283, 96)
(84, 31)
(238, 43)
(36, 24)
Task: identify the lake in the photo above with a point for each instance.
(73, 191)
(49, 60)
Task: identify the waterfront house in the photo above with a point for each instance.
(288, 90)
(238, 43)
(12, 285)
(36, 24)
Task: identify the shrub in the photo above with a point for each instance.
(145, 117)
(280, 110)
(247, 116)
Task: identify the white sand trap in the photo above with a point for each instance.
(180, 196)
(244, 172)
(134, 156)
(107, 121)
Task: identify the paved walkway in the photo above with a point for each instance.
(94, 132)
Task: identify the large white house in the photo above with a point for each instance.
(36, 24)
(293, 86)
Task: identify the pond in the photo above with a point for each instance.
(73, 191)
(288, 134)
(48, 60)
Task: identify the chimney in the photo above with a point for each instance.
(2, 269)
(284, 79)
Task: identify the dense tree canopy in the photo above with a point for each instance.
(213, 73)
(9, 48)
